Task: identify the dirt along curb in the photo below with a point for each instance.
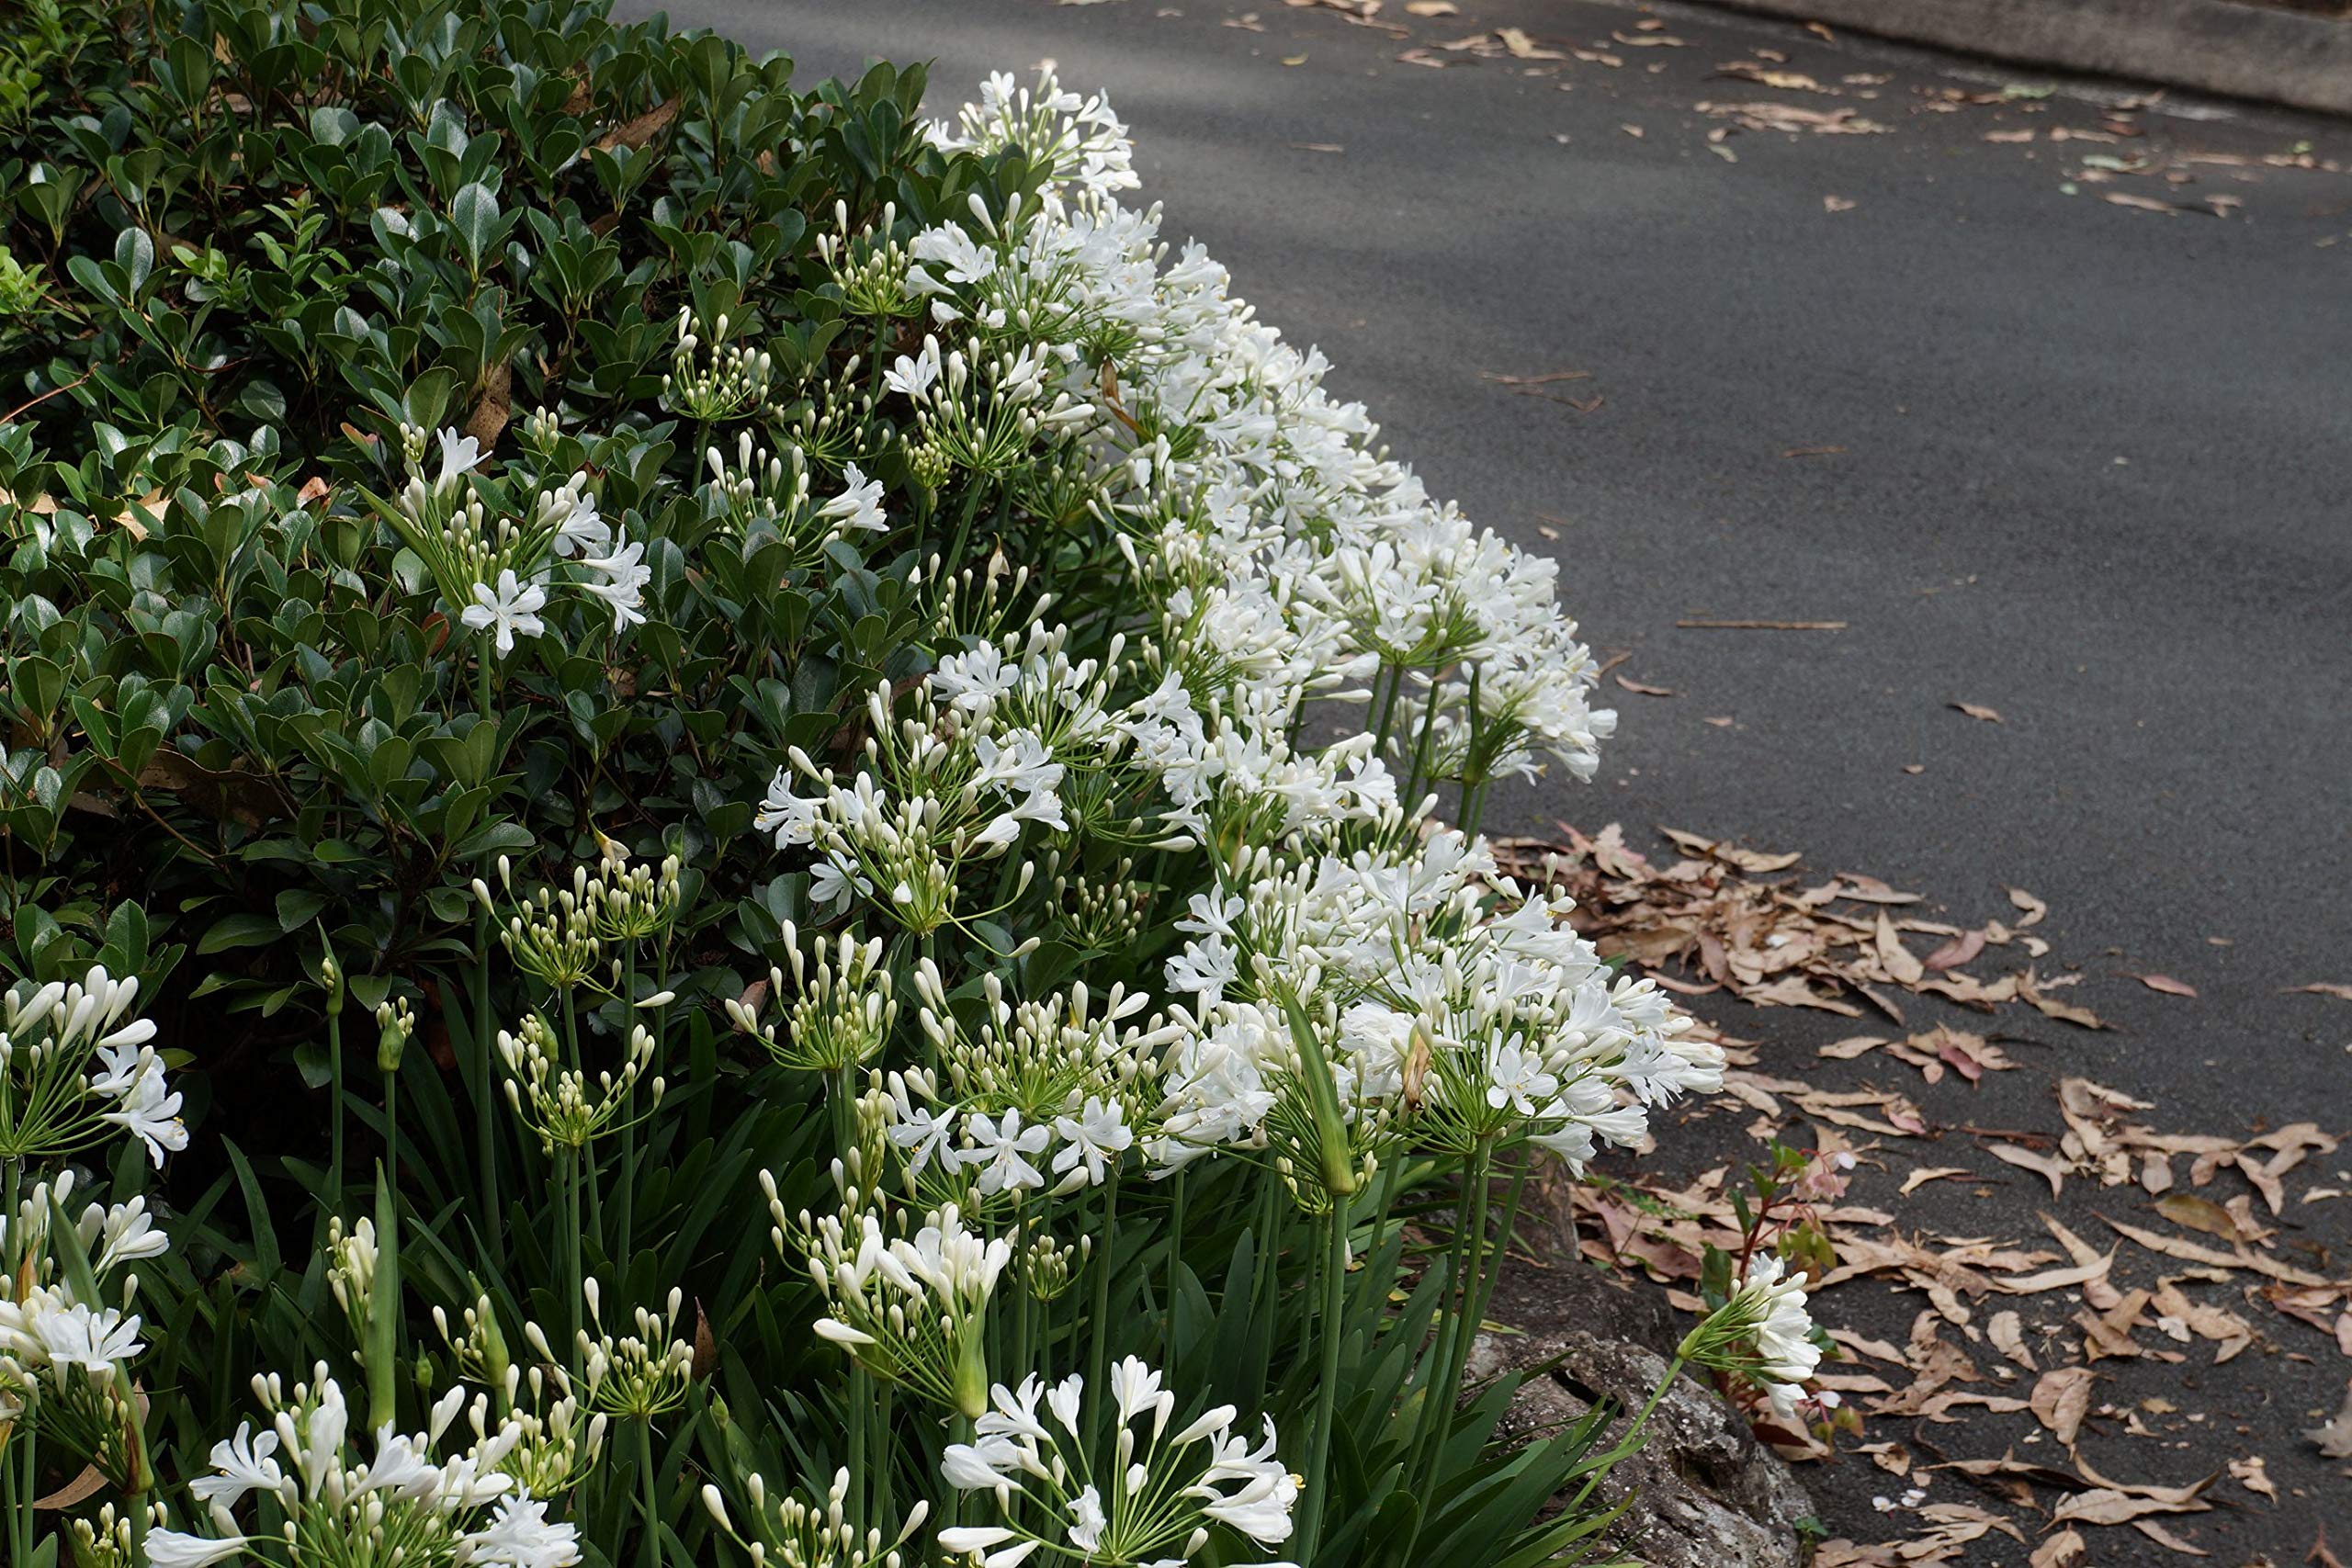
(2215, 46)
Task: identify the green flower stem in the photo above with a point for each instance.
(880, 1481)
(1395, 677)
(1330, 1326)
(1415, 780)
(18, 1508)
(862, 1400)
(29, 1488)
(1099, 1333)
(960, 1431)
(485, 1111)
(1462, 1324)
(648, 1494)
(626, 1197)
(392, 1129)
(334, 1089)
(1509, 1228)
(572, 1274)
(1175, 1269)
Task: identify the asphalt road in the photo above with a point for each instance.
(2089, 470)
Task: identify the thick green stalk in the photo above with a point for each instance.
(1502, 1240)
(861, 1403)
(392, 1128)
(573, 1270)
(334, 1089)
(1175, 1267)
(1099, 1331)
(1465, 1325)
(627, 1194)
(485, 1113)
(648, 1494)
(881, 1468)
(586, 1173)
(1331, 1324)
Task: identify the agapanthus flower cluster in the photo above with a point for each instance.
(763, 493)
(567, 936)
(639, 1372)
(839, 1012)
(792, 1533)
(1155, 1499)
(711, 380)
(75, 1063)
(1438, 997)
(566, 1106)
(69, 1327)
(1762, 1332)
(1043, 1095)
(910, 1309)
(402, 1504)
(990, 743)
(495, 549)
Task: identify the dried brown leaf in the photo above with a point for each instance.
(2054, 1171)
(2006, 1331)
(2061, 1399)
(2166, 984)
(2065, 1549)
(2193, 1212)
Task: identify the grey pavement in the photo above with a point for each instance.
(2091, 472)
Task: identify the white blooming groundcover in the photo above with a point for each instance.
(1364, 1034)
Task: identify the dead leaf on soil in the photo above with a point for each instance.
(2054, 1171)
(2065, 1549)
(2166, 984)
(2061, 1399)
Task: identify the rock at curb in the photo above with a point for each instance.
(1707, 1495)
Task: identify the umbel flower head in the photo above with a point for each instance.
(402, 1505)
(910, 1309)
(635, 1376)
(68, 1330)
(74, 1063)
(494, 548)
(1763, 1332)
(1155, 1499)
(791, 1533)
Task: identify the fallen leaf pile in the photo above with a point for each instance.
(2186, 1255)
(1714, 920)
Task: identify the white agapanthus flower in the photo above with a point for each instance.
(74, 1062)
(1763, 1332)
(403, 1501)
(911, 1309)
(1154, 1497)
(507, 610)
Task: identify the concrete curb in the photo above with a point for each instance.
(2216, 46)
